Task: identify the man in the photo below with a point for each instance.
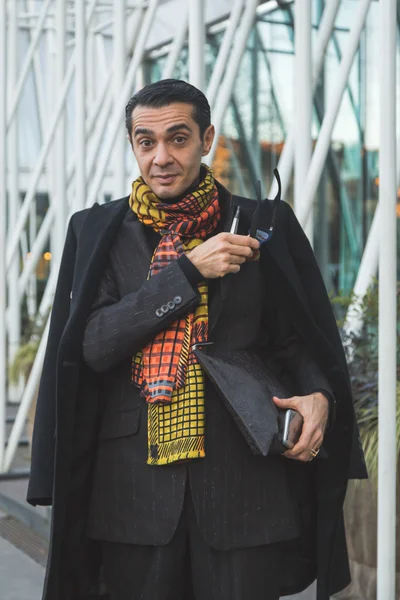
(156, 494)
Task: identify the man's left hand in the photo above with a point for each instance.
(315, 411)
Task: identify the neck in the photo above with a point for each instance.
(189, 190)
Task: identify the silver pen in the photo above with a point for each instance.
(235, 222)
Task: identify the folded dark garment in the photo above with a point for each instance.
(246, 385)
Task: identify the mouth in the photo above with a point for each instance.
(166, 179)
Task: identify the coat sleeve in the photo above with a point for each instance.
(321, 310)
(289, 350)
(118, 327)
(40, 488)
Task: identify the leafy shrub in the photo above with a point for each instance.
(362, 355)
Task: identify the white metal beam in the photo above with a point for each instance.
(60, 141)
(232, 68)
(177, 44)
(118, 84)
(196, 43)
(3, 216)
(29, 392)
(119, 107)
(224, 50)
(325, 134)
(28, 61)
(25, 208)
(285, 163)
(14, 320)
(79, 197)
(302, 102)
(387, 451)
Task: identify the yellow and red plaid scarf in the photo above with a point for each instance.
(170, 378)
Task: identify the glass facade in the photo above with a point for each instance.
(260, 116)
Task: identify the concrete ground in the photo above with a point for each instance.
(21, 578)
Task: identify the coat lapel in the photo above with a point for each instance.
(221, 285)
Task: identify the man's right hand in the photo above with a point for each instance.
(223, 254)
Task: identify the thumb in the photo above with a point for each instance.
(283, 402)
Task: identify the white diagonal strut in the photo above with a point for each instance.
(325, 134)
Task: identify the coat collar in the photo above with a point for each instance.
(94, 242)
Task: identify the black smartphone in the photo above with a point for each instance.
(292, 428)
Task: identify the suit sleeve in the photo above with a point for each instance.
(40, 488)
(118, 327)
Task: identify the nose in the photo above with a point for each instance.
(162, 157)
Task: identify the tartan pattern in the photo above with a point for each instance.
(171, 380)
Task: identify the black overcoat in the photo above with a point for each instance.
(68, 409)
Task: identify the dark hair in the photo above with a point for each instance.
(165, 92)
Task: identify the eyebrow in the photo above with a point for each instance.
(172, 129)
(177, 127)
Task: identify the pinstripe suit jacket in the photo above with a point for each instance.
(240, 499)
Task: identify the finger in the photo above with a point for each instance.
(305, 457)
(235, 250)
(304, 443)
(233, 269)
(242, 240)
(236, 260)
(285, 402)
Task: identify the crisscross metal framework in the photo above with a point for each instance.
(67, 69)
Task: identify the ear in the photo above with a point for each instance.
(208, 139)
(128, 137)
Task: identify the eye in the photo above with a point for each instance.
(145, 143)
(180, 139)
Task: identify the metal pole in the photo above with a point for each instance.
(119, 107)
(176, 45)
(3, 215)
(24, 212)
(79, 198)
(29, 393)
(60, 142)
(302, 102)
(118, 84)
(324, 139)
(228, 82)
(14, 320)
(196, 44)
(31, 298)
(285, 163)
(387, 463)
(36, 250)
(368, 268)
(28, 61)
(224, 50)
(12, 245)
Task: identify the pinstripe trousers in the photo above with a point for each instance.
(187, 568)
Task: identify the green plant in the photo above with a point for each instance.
(362, 354)
(25, 356)
(23, 361)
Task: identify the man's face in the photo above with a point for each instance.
(168, 148)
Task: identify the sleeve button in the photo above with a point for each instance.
(171, 305)
(164, 309)
(159, 312)
(178, 300)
